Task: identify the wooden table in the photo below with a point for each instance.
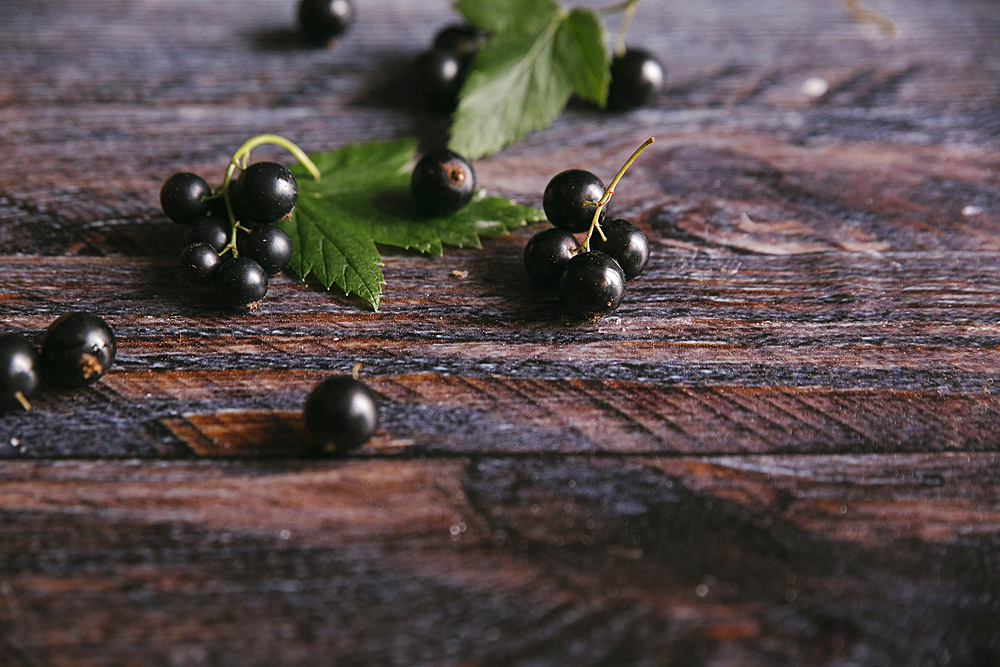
(780, 450)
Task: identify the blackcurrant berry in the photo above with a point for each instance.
(341, 412)
(78, 348)
(626, 244)
(546, 255)
(566, 196)
(20, 368)
(269, 246)
(323, 20)
(217, 207)
(461, 39)
(636, 78)
(438, 76)
(443, 182)
(591, 286)
(265, 192)
(182, 197)
(241, 282)
(210, 230)
(199, 263)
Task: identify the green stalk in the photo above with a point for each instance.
(606, 197)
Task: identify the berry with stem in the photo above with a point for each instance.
(569, 199)
(199, 263)
(341, 413)
(20, 368)
(78, 348)
(546, 254)
(606, 197)
(626, 244)
(443, 182)
(591, 285)
(183, 197)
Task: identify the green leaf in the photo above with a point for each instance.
(495, 16)
(363, 199)
(522, 78)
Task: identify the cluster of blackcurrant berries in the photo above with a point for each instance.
(322, 21)
(440, 71)
(264, 193)
(341, 414)
(590, 279)
(77, 349)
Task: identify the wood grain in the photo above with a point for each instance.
(781, 450)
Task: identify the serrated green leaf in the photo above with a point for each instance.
(495, 16)
(522, 78)
(363, 199)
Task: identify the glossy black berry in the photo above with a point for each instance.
(78, 348)
(341, 413)
(461, 39)
(443, 182)
(626, 244)
(438, 76)
(199, 263)
(591, 286)
(265, 192)
(241, 282)
(636, 78)
(182, 197)
(323, 20)
(566, 196)
(217, 207)
(209, 230)
(546, 255)
(20, 371)
(269, 246)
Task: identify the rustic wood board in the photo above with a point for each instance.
(781, 450)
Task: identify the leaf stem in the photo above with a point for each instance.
(608, 192)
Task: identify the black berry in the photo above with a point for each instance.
(241, 282)
(265, 192)
(269, 246)
(20, 368)
(323, 20)
(182, 197)
(443, 182)
(546, 255)
(636, 78)
(438, 75)
(78, 348)
(461, 39)
(341, 413)
(626, 244)
(199, 263)
(591, 286)
(209, 230)
(566, 196)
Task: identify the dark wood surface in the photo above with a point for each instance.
(781, 450)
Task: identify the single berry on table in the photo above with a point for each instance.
(636, 78)
(78, 348)
(626, 244)
(591, 286)
(443, 182)
(182, 197)
(199, 263)
(438, 75)
(265, 192)
(570, 200)
(461, 39)
(210, 230)
(341, 413)
(241, 282)
(546, 254)
(269, 246)
(20, 368)
(323, 20)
